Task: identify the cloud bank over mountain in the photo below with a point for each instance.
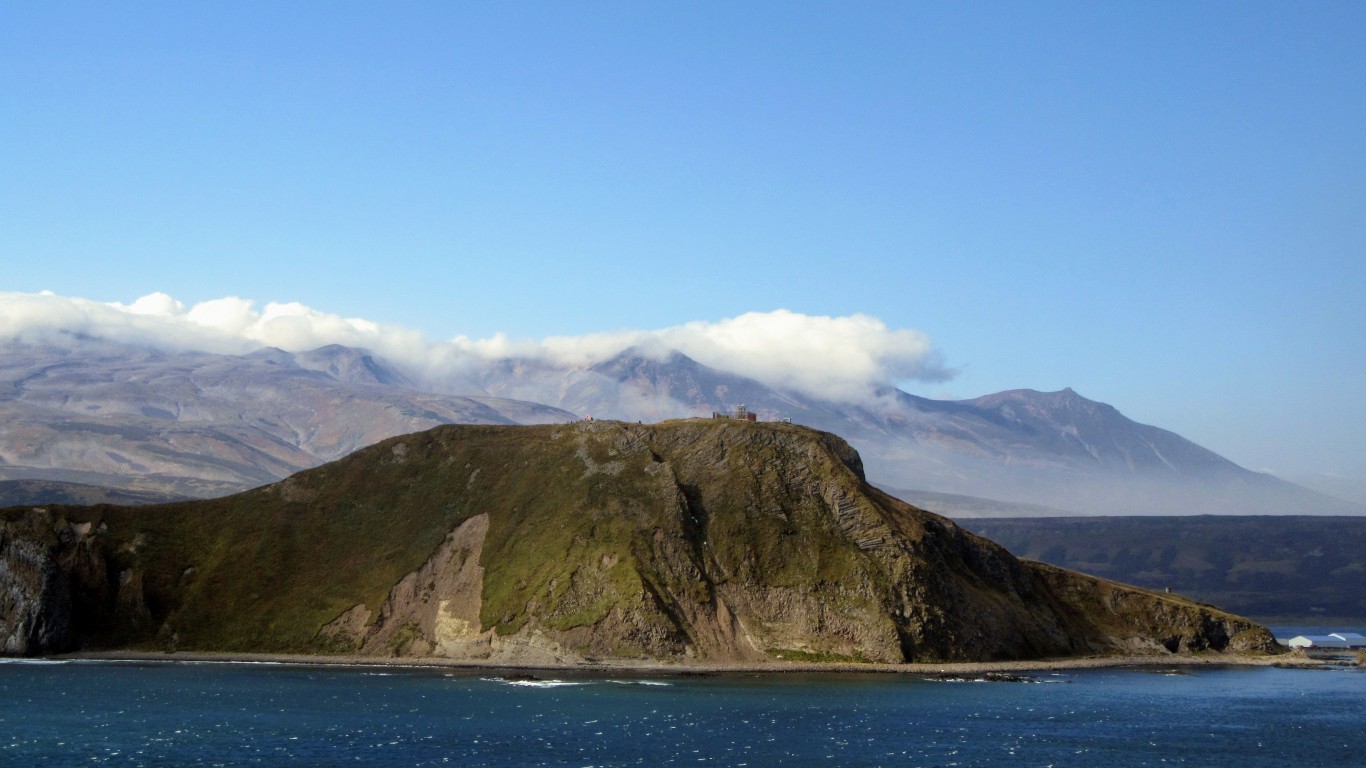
(839, 358)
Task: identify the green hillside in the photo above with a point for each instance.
(690, 539)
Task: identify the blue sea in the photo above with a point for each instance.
(107, 713)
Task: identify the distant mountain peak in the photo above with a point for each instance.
(1066, 400)
(1035, 395)
(351, 365)
(650, 352)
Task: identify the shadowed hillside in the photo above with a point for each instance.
(716, 540)
(1287, 569)
(16, 492)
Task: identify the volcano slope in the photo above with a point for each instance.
(693, 540)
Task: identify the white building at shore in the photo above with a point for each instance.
(1337, 641)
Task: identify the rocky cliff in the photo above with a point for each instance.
(696, 539)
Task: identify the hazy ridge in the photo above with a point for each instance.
(1281, 569)
(193, 423)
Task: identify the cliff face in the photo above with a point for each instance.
(54, 585)
(34, 605)
(713, 540)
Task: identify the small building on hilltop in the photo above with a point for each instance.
(740, 413)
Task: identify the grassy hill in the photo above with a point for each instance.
(698, 539)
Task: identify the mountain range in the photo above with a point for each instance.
(192, 423)
(195, 424)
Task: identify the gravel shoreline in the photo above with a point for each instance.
(712, 668)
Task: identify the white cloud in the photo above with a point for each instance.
(835, 357)
(841, 358)
(155, 304)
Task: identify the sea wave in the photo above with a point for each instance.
(533, 682)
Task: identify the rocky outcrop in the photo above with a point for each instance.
(55, 585)
(691, 540)
(35, 600)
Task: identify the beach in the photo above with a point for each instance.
(658, 667)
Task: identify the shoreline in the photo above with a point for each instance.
(667, 668)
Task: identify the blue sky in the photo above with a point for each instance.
(1161, 205)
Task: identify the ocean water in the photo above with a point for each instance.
(220, 714)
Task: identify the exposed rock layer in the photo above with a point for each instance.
(702, 539)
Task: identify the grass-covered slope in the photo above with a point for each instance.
(719, 540)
